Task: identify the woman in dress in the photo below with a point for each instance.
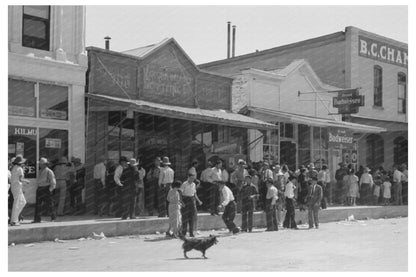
(351, 182)
(175, 203)
(17, 180)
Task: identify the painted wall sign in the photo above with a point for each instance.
(53, 143)
(381, 51)
(22, 131)
(339, 138)
(167, 82)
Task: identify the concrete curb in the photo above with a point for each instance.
(27, 233)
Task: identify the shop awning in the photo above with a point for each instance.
(110, 103)
(314, 121)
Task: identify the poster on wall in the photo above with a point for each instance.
(20, 148)
(339, 138)
(12, 148)
(53, 114)
(53, 143)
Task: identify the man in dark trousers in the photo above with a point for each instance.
(248, 194)
(46, 183)
(124, 177)
(313, 200)
(230, 207)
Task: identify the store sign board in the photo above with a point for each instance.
(21, 111)
(53, 114)
(381, 51)
(53, 143)
(339, 138)
(347, 101)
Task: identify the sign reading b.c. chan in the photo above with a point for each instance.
(381, 51)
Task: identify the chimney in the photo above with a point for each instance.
(233, 41)
(107, 43)
(228, 38)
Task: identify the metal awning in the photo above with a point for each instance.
(110, 103)
(314, 121)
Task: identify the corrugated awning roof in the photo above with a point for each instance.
(319, 122)
(110, 103)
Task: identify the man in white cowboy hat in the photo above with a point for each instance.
(61, 171)
(100, 173)
(238, 177)
(214, 177)
(46, 184)
(140, 172)
(166, 177)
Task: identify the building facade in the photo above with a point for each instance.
(354, 58)
(47, 63)
(154, 101)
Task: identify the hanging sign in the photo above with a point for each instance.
(348, 101)
(339, 138)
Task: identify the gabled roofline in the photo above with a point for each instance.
(338, 36)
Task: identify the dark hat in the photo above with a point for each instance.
(314, 177)
(19, 160)
(342, 164)
(123, 159)
(166, 161)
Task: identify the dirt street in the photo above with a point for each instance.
(371, 245)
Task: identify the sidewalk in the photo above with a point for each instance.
(74, 227)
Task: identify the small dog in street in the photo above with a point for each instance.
(200, 244)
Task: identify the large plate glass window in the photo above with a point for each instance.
(22, 101)
(402, 92)
(53, 102)
(22, 141)
(53, 144)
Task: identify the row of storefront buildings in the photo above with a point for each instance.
(275, 105)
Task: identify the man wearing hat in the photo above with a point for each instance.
(237, 179)
(166, 177)
(366, 186)
(313, 200)
(340, 173)
(151, 188)
(229, 206)
(140, 172)
(125, 176)
(100, 172)
(61, 171)
(78, 186)
(214, 177)
(248, 194)
(46, 183)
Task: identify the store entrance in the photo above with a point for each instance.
(288, 154)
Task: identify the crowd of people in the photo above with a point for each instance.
(127, 190)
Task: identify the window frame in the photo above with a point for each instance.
(47, 29)
(378, 86)
(401, 102)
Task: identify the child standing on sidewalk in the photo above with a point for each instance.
(386, 191)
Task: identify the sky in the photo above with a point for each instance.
(202, 30)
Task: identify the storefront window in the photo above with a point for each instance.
(286, 130)
(121, 136)
(53, 144)
(22, 101)
(53, 102)
(22, 141)
(304, 144)
(271, 146)
(375, 150)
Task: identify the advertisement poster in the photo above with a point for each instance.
(20, 148)
(12, 148)
(53, 143)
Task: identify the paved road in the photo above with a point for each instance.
(373, 245)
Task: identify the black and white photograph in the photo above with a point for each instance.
(207, 137)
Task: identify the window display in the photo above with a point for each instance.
(22, 101)
(22, 141)
(53, 102)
